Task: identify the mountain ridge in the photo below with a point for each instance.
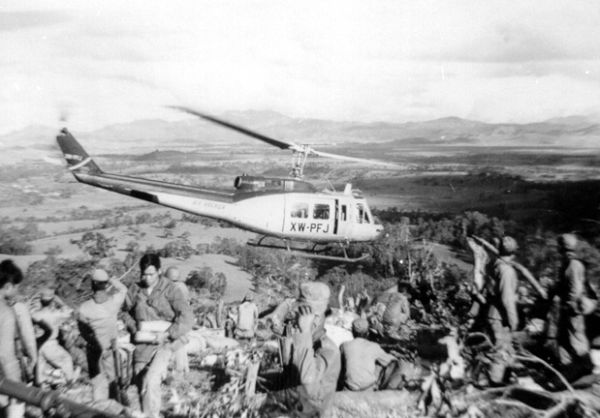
(577, 131)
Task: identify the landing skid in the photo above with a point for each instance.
(309, 251)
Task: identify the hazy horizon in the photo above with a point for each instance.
(591, 117)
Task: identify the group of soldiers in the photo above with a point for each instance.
(159, 297)
(567, 307)
(317, 367)
(315, 364)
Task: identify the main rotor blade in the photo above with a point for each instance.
(305, 149)
(275, 142)
(356, 159)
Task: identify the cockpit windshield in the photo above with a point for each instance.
(362, 214)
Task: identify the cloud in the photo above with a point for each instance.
(496, 31)
(10, 21)
(341, 59)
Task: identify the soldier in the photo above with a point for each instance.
(174, 275)
(246, 318)
(397, 311)
(98, 322)
(502, 312)
(157, 298)
(180, 356)
(53, 356)
(363, 360)
(10, 331)
(573, 291)
(315, 363)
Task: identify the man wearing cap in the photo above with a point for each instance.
(98, 322)
(315, 361)
(502, 314)
(572, 289)
(247, 315)
(362, 360)
(52, 356)
(156, 298)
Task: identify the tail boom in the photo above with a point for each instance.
(199, 201)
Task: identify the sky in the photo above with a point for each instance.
(92, 63)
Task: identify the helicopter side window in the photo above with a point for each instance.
(274, 185)
(299, 210)
(361, 214)
(321, 211)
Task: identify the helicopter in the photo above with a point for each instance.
(291, 211)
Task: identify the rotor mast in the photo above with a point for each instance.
(299, 157)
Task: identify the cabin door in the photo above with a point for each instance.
(342, 224)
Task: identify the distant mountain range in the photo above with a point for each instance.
(147, 135)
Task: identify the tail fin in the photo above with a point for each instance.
(77, 159)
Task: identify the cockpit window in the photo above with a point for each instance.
(274, 184)
(299, 210)
(321, 211)
(362, 216)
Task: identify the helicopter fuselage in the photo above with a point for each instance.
(284, 208)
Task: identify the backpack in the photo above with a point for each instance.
(588, 303)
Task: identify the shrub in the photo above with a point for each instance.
(132, 247)
(53, 251)
(11, 243)
(143, 218)
(96, 245)
(356, 283)
(227, 246)
(69, 277)
(199, 279)
(217, 285)
(172, 223)
(14, 240)
(180, 248)
(205, 280)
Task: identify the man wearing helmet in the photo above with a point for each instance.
(52, 356)
(97, 318)
(314, 363)
(503, 316)
(572, 288)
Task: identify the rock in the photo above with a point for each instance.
(210, 360)
(196, 344)
(385, 403)
(221, 343)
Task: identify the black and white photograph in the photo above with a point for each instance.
(261, 208)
